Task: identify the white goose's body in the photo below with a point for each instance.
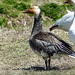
(72, 32)
(72, 28)
(65, 22)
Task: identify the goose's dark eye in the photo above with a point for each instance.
(31, 8)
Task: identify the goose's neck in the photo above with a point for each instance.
(74, 10)
(37, 24)
(72, 28)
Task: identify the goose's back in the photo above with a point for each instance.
(47, 44)
(65, 22)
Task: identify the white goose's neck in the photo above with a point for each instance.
(73, 23)
(72, 28)
(74, 10)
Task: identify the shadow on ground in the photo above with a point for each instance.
(36, 68)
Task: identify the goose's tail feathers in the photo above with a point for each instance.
(72, 55)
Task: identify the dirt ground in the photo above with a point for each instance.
(17, 58)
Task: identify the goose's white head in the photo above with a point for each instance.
(33, 10)
(70, 2)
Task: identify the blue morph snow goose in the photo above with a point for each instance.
(65, 22)
(72, 28)
(46, 44)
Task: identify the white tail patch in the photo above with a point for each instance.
(71, 56)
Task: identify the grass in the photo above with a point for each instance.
(3, 22)
(14, 15)
(21, 6)
(13, 9)
(9, 2)
(16, 56)
(3, 9)
(55, 11)
(10, 9)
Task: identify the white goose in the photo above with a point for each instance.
(65, 22)
(72, 28)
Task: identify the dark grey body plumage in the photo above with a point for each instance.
(46, 42)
